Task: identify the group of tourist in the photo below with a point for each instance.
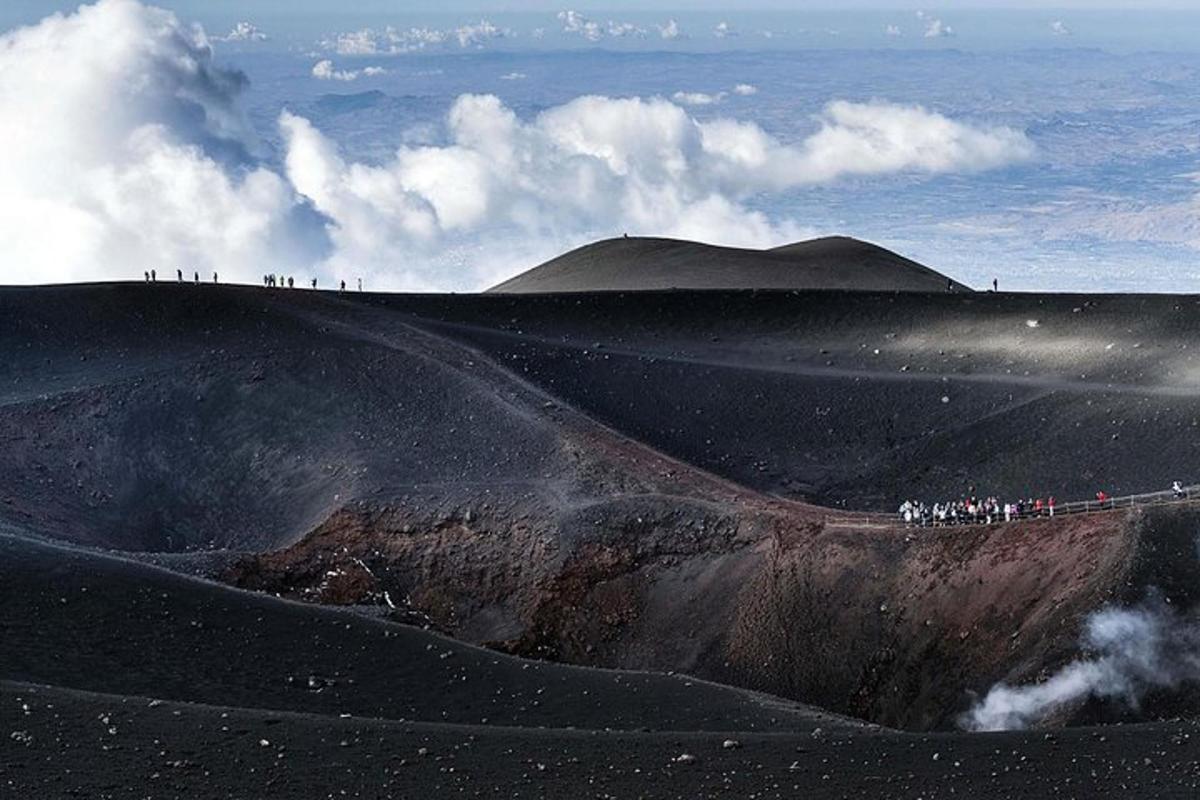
(990, 510)
(151, 276)
(271, 280)
(974, 511)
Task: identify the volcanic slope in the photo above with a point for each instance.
(175, 418)
(442, 455)
(127, 680)
(635, 263)
(865, 399)
(1015, 395)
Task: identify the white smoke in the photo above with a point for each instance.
(1134, 651)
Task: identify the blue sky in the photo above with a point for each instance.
(445, 150)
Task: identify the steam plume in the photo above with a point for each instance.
(1134, 651)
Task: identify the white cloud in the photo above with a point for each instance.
(357, 43)
(394, 41)
(598, 165)
(513, 76)
(723, 30)
(243, 32)
(877, 137)
(323, 70)
(936, 29)
(479, 34)
(621, 30)
(132, 154)
(575, 23)
(1059, 28)
(406, 41)
(893, 31)
(697, 98)
(745, 89)
(671, 30)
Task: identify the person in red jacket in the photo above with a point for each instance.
(1102, 497)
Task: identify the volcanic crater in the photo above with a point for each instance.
(693, 481)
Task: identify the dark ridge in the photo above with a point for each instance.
(635, 263)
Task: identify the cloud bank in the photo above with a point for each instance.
(602, 165)
(593, 31)
(134, 153)
(395, 41)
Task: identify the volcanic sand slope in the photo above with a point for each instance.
(267, 698)
(863, 399)
(441, 452)
(70, 743)
(177, 418)
(760, 595)
(188, 640)
(636, 263)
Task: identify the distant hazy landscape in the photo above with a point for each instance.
(1055, 150)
